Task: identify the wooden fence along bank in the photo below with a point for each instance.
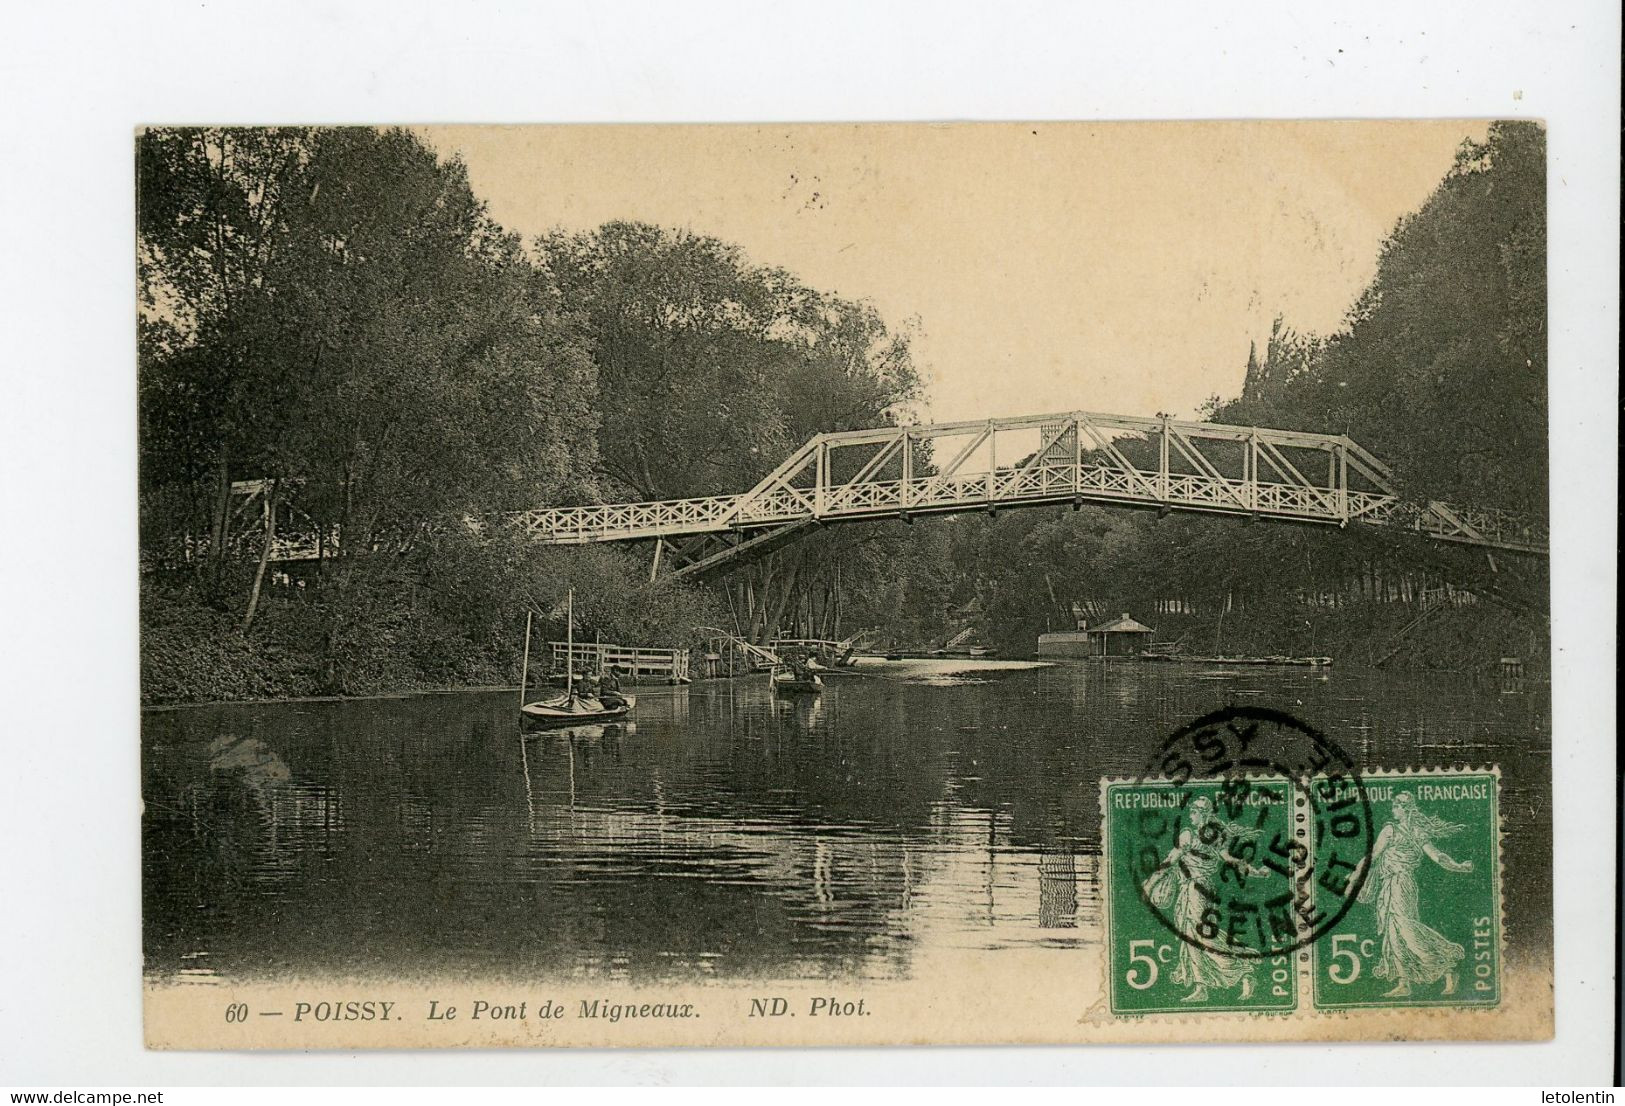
(670, 665)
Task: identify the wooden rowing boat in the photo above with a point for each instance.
(786, 683)
(1272, 662)
(570, 709)
(577, 710)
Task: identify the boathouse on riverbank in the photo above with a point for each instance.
(1120, 637)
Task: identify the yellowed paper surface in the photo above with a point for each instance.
(913, 854)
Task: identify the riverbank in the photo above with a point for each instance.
(1398, 636)
(192, 653)
(952, 672)
(645, 690)
(383, 626)
(381, 696)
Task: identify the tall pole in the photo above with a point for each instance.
(524, 668)
(569, 644)
(992, 459)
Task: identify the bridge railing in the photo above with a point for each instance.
(1078, 456)
(612, 521)
(894, 471)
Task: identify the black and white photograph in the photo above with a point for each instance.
(689, 584)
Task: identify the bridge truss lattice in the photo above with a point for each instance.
(1077, 457)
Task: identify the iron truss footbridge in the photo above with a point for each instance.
(900, 472)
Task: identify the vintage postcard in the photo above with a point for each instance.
(844, 584)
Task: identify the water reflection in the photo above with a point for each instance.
(727, 832)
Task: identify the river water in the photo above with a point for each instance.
(925, 807)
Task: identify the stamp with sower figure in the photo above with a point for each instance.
(1199, 895)
(1425, 929)
(1252, 848)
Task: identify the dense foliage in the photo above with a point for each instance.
(332, 312)
(1441, 368)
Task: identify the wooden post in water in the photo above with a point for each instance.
(524, 668)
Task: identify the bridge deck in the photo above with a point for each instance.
(1077, 457)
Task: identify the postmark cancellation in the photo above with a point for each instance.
(1272, 892)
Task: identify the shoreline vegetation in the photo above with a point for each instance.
(1462, 640)
(509, 689)
(331, 315)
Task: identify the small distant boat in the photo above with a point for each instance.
(1273, 661)
(841, 672)
(788, 683)
(570, 709)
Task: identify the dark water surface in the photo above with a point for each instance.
(932, 805)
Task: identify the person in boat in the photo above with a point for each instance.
(609, 690)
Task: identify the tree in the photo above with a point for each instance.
(1440, 369)
(331, 312)
(209, 225)
(1441, 366)
(712, 369)
(426, 371)
(334, 309)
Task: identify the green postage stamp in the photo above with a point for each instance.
(1198, 895)
(1376, 890)
(1425, 927)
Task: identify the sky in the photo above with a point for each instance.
(1120, 267)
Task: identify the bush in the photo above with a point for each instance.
(192, 652)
